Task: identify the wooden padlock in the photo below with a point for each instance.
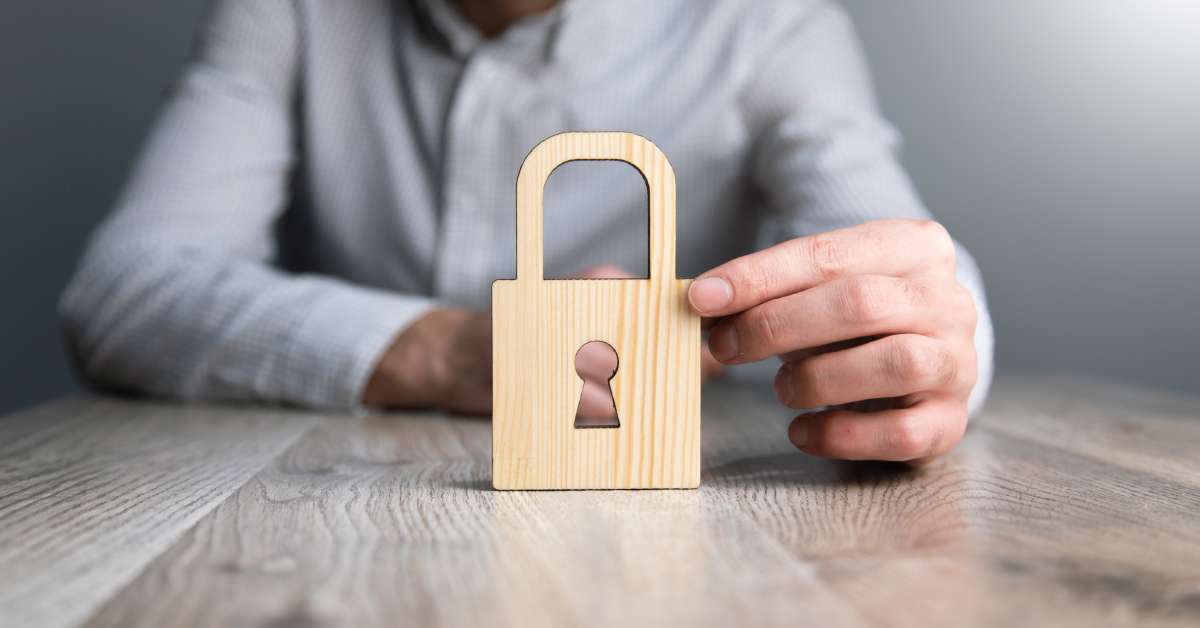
(538, 326)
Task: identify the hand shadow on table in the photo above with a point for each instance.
(799, 469)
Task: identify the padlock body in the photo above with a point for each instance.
(537, 327)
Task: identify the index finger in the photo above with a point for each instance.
(884, 247)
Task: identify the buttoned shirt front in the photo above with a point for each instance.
(326, 172)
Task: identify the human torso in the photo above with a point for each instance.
(409, 152)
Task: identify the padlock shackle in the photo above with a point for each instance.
(557, 150)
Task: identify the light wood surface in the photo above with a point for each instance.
(538, 326)
(1069, 503)
(92, 490)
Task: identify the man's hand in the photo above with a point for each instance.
(869, 321)
(442, 360)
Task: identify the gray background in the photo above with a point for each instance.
(1059, 139)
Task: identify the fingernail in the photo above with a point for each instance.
(723, 342)
(710, 294)
(783, 384)
(798, 432)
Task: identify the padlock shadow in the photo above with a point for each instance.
(473, 484)
(794, 470)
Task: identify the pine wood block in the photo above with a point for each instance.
(538, 326)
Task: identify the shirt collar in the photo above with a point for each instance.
(536, 36)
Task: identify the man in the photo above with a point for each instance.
(321, 209)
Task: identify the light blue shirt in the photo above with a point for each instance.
(326, 172)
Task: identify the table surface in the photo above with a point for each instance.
(1070, 502)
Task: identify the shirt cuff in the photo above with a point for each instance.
(340, 340)
(969, 276)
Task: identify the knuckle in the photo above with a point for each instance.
(922, 362)
(933, 230)
(806, 385)
(864, 300)
(937, 239)
(943, 369)
(754, 279)
(827, 256)
(913, 436)
(765, 327)
(960, 296)
(952, 304)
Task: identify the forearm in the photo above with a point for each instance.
(176, 295)
(164, 319)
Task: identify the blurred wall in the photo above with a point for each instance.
(1059, 140)
(79, 85)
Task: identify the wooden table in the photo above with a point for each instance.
(1070, 503)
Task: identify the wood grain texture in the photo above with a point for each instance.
(91, 491)
(1068, 504)
(538, 326)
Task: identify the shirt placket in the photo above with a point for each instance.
(468, 186)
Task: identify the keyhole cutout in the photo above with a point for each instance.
(596, 364)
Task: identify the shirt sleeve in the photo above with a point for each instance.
(177, 294)
(823, 156)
